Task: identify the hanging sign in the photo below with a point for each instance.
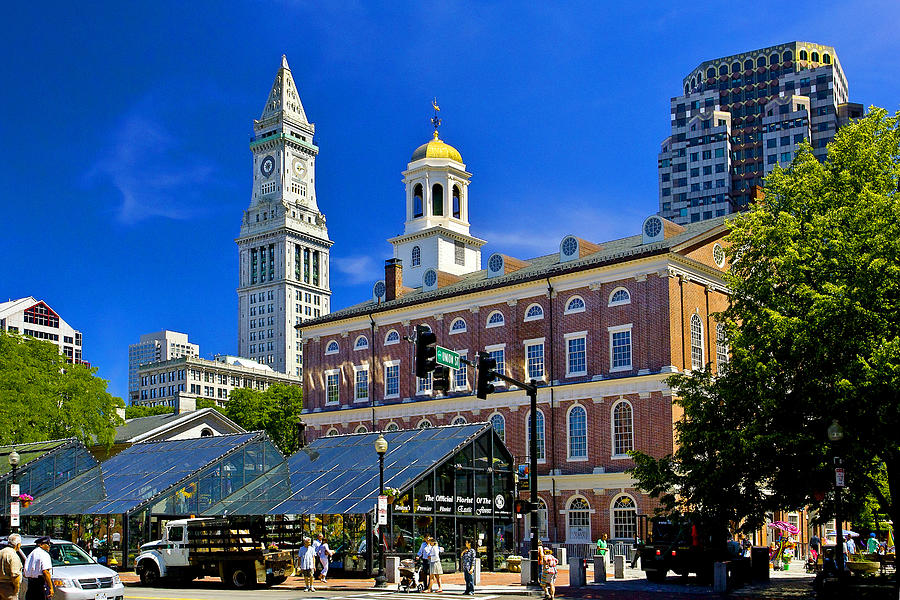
(14, 490)
(382, 510)
(839, 477)
(14, 514)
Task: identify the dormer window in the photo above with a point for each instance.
(417, 201)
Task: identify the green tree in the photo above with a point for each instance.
(43, 398)
(276, 411)
(815, 288)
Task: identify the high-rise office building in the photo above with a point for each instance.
(741, 115)
(156, 347)
(283, 241)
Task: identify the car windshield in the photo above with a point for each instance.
(64, 555)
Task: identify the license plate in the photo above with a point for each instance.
(100, 597)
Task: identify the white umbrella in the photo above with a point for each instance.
(847, 532)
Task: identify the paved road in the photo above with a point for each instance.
(204, 591)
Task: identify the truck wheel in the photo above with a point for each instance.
(240, 578)
(150, 574)
(656, 576)
(273, 580)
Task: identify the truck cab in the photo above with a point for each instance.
(167, 557)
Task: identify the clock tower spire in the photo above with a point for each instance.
(283, 243)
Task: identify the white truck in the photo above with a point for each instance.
(232, 550)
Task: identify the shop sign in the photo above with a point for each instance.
(426, 505)
(444, 504)
(483, 506)
(402, 505)
(464, 505)
(13, 514)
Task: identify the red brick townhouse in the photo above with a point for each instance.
(600, 324)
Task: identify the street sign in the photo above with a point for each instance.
(382, 510)
(14, 490)
(839, 477)
(14, 514)
(446, 357)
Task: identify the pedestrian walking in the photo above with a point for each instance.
(317, 541)
(815, 545)
(872, 544)
(10, 568)
(467, 561)
(549, 572)
(307, 564)
(324, 553)
(850, 544)
(39, 571)
(434, 565)
(422, 559)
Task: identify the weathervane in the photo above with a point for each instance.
(435, 120)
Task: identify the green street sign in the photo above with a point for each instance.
(446, 357)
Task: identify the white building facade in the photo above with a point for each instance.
(283, 242)
(34, 318)
(155, 347)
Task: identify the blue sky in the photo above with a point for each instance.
(125, 165)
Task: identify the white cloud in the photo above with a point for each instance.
(356, 269)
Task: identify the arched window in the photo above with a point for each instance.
(456, 202)
(499, 425)
(542, 520)
(624, 518)
(774, 59)
(787, 56)
(576, 304)
(416, 256)
(578, 521)
(331, 432)
(392, 337)
(803, 55)
(577, 432)
(424, 424)
(495, 319)
(332, 347)
(362, 342)
(711, 73)
(723, 70)
(417, 201)
(696, 343)
(540, 435)
(206, 432)
(535, 312)
(761, 61)
(623, 429)
(814, 56)
(458, 326)
(721, 347)
(392, 427)
(619, 296)
(735, 67)
(437, 200)
(458, 420)
(361, 429)
(826, 58)
(687, 89)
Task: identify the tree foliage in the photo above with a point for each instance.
(815, 288)
(275, 410)
(136, 411)
(43, 398)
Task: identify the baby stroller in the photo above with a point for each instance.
(409, 576)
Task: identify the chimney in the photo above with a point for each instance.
(393, 278)
(184, 403)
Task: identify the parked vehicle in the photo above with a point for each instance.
(680, 546)
(76, 576)
(233, 550)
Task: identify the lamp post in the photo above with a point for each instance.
(381, 447)
(14, 463)
(835, 435)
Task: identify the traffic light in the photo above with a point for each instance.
(522, 507)
(484, 375)
(440, 379)
(426, 347)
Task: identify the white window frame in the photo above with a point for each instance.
(391, 342)
(424, 385)
(495, 348)
(569, 456)
(357, 369)
(387, 365)
(612, 429)
(536, 342)
(388, 427)
(572, 336)
(502, 418)
(542, 521)
(328, 373)
(620, 329)
(453, 372)
(580, 309)
(541, 461)
(357, 346)
(569, 538)
(464, 328)
(421, 422)
(612, 302)
(328, 346)
(612, 516)
(332, 432)
(696, 317)
(459, 420)
(535, 317)
(361, 429)
(501, 323)
(721, 347)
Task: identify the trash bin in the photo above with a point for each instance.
(577, 572)
(759, 563)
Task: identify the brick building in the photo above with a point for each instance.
(600, 325)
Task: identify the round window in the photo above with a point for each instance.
(430, 277)
(719, 255)
(569, 246)
(495, 264)
(652, 227)
(380, 289)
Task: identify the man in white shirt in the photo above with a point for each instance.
(38, 567)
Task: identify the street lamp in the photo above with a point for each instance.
(835, 435)
(14, 463)
(381, 447)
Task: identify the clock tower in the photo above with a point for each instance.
(283, 242)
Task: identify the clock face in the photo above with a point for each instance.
(299, 168)
(267, 166)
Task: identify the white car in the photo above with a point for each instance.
(76, 576)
